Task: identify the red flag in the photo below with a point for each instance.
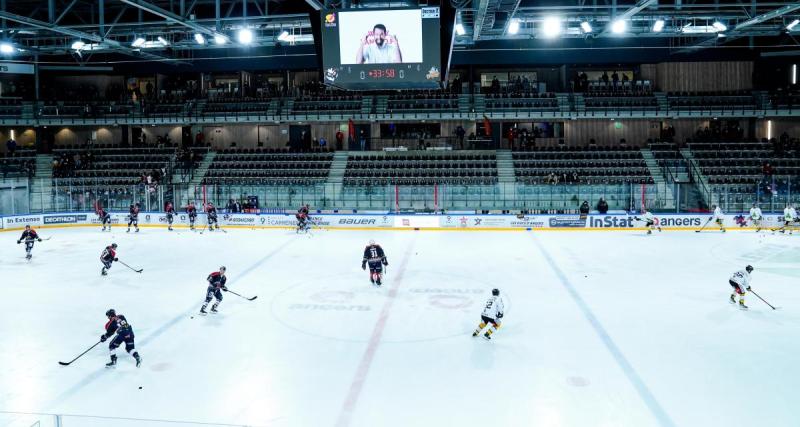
(351, 129)
(487, 125)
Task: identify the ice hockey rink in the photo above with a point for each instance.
(601, 329)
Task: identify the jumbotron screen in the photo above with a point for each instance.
(382, 48)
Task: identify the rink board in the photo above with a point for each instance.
(395, 221)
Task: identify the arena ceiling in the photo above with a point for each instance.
(181, 31)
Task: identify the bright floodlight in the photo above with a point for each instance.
(719, 26)
(658, 26)
(199, 38)
(6, 48)
(551, 27)
(245, 36)
(513, 27)
(586, 27)
(138, 42)
(460, 30)
(793, 24)
(78, 45)
(619, 26)
(218, 39)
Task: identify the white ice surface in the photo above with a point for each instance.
(601, 329)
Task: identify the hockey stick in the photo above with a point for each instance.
(126, 265)
(79, 356)
(704, 225)
(762, 299)
(48, 238)
(249, 299)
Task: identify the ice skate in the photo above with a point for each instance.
(113, 361)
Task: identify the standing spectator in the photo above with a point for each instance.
(11, 145)
(323, 143)
(602, 206)
(495, 85)
(233, 206)
(767, 169)
(362, 140)
(339, 139)
(199, 139)
(460, 132)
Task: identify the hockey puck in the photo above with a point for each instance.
(140, 387)
(192, 317)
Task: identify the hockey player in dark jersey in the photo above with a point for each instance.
(108, 256)
(170, 210)
(216, 284)
(211, 211)
(29, 236)
(117, 324)
(105, 218)
(191, 210)
(133, 217)
(374, 256)
(302, 219)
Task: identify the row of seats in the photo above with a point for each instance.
(232, 165)
(459, 164)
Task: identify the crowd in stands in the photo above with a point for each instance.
(15, 160)
(724, 132)
(66, 164)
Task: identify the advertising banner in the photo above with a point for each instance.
(454, 222)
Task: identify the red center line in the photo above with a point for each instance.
(372, 347)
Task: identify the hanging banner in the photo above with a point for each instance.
(15, 68)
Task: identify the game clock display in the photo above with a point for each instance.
(382, 48)
(383, 73)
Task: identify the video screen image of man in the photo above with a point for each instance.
(379, 47)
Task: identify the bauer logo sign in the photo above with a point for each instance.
(527, 222)
(64, 219)
(238, 219)
(567, 222)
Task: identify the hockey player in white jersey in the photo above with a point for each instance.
(756, 216)
(789, 217)
(649, 221)
(492, 313)
(718, 217)
(740, 281)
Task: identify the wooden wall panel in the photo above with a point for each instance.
(704, 76)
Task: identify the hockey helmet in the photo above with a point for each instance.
(114, 246)
(749, 268)
(222, 269)
(27, 226)
(371, 242)
(111, 313)
(495, 292)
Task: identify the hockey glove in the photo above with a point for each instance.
(40, 239)
(19, 241)
(385, 262)
(103, 338)
(363, 264)
(499, 315)
(748, 288)
(116, 259)
(224, 289)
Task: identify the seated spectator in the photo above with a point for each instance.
(584, 209)
(602, 206)
(11, 145)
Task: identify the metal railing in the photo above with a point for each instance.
(772, 193)
(516, 197)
